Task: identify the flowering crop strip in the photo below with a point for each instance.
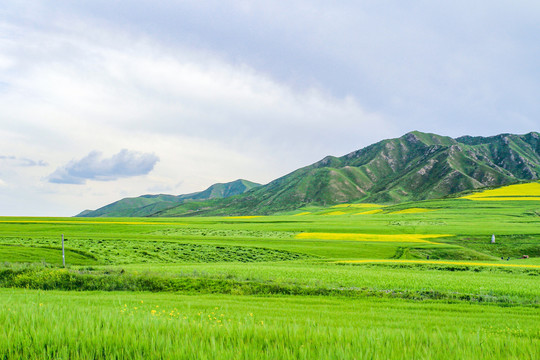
(401, 238)
(507, 198)
(412, 211)
(335, 213)
(357, 206)
(370, 212)
(528, 191)
(435, 262)
(87, 222)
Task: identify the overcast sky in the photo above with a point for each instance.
(104, 99)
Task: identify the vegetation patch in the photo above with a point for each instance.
(50, 255)
(370, 212)
(129, 252)
(48, 278)
(505, 246)
(447, 253)
(404, 238)
(135, 325)
(221, 232)
(337, 212)
(441, 262)
(357, 206)
(412, 211)
(302, 213)
(527, 191)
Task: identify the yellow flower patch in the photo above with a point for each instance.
(369, 212)
(244, 217)
(89, 222)
(335, 213)
(302, 213)
(401, 238)
(437, 262)
(412, 211)
(357, 206)
(528, 191)
(507, 198)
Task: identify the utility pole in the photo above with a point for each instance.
(63, 252)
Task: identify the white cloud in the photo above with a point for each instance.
(94, 167)
(258, 91)
(70, 91)
(143, 87)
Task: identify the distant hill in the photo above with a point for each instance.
(147, 205)
(416, 166)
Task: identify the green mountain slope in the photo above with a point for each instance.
(148, 205)
(416, 166)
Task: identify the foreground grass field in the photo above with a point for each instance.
(144, 325)
(416, 280)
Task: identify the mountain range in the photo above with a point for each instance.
(147, 205)
(416, 166)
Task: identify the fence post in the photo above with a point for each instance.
(63, 252)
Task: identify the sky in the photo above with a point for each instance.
(105, 99)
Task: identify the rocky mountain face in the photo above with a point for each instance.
(415, 166)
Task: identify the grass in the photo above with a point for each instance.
(399, 238)
(142, 325)
(439, 262)
(30, 254)
(316, 286)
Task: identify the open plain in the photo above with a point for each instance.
(414, 280)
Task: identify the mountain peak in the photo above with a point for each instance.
(415, 166)
(428, 139)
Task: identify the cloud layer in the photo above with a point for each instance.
(221, 90)
(94, 167)
(17, 161)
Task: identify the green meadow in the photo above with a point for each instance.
(416, 280)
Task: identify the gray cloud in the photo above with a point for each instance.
(448, 67)
(93, 167)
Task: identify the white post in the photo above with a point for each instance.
(63, 252)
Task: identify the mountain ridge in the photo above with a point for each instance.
(146, 205)
(415, 166)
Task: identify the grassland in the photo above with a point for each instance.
(324, 283)
(174, 326)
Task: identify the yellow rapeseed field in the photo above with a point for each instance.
(528, 191)
(437, 262)
(335, 213)
(402, 238)
(412, 211)
(507, 198)
(375, 211)
(89, 222)
(357, 206)
(244, 217)
(302, 213)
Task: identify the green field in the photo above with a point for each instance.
(338, 283)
